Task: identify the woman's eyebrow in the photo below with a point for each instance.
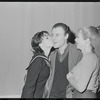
(45, 34)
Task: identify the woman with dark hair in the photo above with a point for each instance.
(39, 68)
(83, 76)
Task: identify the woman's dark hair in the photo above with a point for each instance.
(67, 30)
(36, 40)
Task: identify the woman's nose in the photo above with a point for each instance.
(76, 40)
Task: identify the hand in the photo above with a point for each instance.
(45, 94)
(69, 91)
(98, 80)
(97, 85)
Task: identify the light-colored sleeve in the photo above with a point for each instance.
(81, 74)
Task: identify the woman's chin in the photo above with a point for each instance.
(55, 46)
(78, 47)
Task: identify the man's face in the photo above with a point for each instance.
(58, 36)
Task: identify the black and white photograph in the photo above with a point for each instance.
(50, 50)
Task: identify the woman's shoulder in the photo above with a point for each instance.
(37, 56)
(37, 59)
(91, 57)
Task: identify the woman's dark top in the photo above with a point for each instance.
(37, 75)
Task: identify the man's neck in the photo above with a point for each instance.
(62, 49)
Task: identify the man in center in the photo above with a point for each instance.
(63, 58)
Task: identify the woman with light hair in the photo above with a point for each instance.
(83, 76)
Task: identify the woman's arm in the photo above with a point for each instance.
(81, 74)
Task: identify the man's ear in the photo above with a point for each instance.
(66, 36)
(40, 44)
